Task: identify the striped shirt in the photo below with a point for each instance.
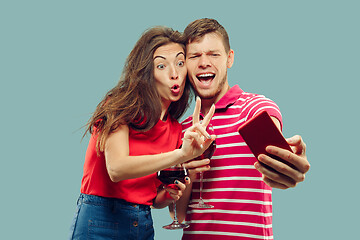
(242, 201)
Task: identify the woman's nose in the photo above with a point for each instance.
(174, 74)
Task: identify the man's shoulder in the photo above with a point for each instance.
(235, 96)
(187, 121)
(245, 94)
(248, 97)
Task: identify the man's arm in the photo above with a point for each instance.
(285, 176)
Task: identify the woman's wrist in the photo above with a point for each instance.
(180, 156)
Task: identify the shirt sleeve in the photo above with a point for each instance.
(259, 103)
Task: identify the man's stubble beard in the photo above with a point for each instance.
(216, 93)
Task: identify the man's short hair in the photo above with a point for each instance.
(200, 27)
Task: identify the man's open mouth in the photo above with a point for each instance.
(205, 77)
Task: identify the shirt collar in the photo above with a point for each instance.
(229, 98)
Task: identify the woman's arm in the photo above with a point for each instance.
(121, 166)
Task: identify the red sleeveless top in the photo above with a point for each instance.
(163, 137)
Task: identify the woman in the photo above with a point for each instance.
(134, 134)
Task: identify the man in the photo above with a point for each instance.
(236, 185)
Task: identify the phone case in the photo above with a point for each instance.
(260, 132)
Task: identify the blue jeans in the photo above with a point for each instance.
(109, 218)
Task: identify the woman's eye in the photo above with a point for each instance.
(160, 66)
(181, 63)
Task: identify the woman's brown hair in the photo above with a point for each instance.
(134, 101)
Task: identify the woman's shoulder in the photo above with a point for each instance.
(174, 122)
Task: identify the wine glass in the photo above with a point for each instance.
(207, 154)
(168, 176)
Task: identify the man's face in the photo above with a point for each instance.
(207, 62)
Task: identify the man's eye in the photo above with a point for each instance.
(160, 66)
(195, 56)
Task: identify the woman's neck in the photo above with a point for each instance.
(164, 110)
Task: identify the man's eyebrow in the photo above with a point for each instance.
(216, 50)
(206, 52)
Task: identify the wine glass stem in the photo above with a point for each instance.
(175, 214)
(201, 185)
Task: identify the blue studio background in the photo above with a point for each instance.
(59, 58)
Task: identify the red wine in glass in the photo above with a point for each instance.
(168, 176)
(208, 153)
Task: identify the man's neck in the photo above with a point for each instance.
(206, 103)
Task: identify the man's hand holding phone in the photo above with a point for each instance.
(283, 163)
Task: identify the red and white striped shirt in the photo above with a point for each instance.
(242, 201)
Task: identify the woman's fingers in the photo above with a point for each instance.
(199, 130)
(197, 166)
(194, 164)
(196, 139)
(208, 116)
(176, 190)
(201, 127)
(196, 113)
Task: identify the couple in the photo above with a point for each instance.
(135, 133)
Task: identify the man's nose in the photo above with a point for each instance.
(204, 61)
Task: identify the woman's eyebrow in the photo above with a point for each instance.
(159, 56)
(180, 53)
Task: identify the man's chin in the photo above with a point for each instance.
(206, 94)
(206, 97)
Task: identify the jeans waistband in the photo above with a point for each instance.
(110, 202)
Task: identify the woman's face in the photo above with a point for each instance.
(170, 72)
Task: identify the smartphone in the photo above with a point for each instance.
(260, 132)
